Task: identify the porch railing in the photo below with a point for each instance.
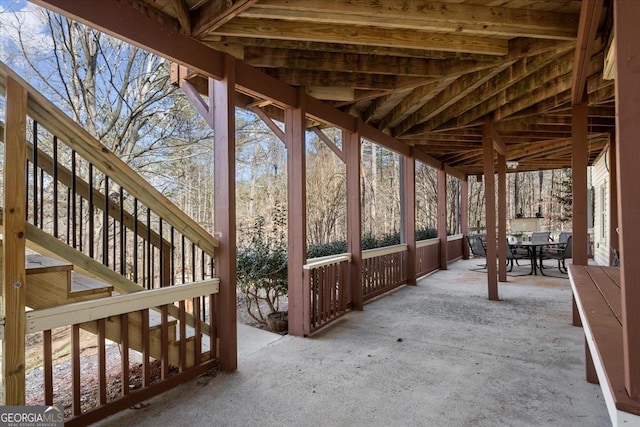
(383, 269)
(140, 321)
(427, 256)
(85, 205)
(455, 247)
(329, 297)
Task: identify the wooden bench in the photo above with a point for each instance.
(597, 293)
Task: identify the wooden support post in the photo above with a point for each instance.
(442, 218)
(225, 212)
(408, 205)
(490, 202)
(352, 150)
(502, 218)
(13, 248)
(464, 216)
(613, 195)
(590, 367)
(627, 131)
(299, 321)
(579, 162)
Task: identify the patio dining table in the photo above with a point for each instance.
(534, 249)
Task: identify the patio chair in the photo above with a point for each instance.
(559, 253)
(540, 237)
(514, 254)
(477, 247)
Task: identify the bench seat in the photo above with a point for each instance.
(597, 293)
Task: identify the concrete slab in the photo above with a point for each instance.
(251, 340)
(437, 354)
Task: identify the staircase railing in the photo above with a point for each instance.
(85, 205)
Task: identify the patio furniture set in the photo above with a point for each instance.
(540, 247)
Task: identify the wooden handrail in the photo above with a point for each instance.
(85, 311)
(427, 242)
(79, 140)
(387, 250)
(328, 260)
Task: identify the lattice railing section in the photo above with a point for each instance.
(329, 292)
(383, 269)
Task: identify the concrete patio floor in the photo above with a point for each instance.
(438, 354)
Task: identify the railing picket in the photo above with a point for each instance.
(47, 365)
(74, 193)
(102, 362)
(164, 339)
(135, 240)
(105, 224)
(123, 242)
(75, 369)
(55, 187)
(91, 212)
(35, 173)
(183, 333)
(197, 341)
(148, 256)
(146, 353)
(124, 358)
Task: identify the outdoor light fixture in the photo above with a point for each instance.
(512, 164)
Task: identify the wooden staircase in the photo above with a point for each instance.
(52, 283)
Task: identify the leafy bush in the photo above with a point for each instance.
(262, 268)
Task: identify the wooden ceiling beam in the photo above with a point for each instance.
(366, 49)
(424, 16)
(454, 93)
(411, 39)
(340, 79)
(182, 15)
(216, 13)
(416, 99)
(492, 94)
(590, 12)
(358, 63)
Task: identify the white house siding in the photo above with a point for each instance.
(601, 222)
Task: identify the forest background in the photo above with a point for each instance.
(122, 95)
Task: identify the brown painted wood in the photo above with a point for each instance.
(124, 355)
(464, 216)
(182, 344)
(502, 212)
(490, 203)
(13, 247)
(579, 163)
(627, 87)
(587, 30)
(76, 385)
(613, 194)
(146, 353)
(352, 150)
(590, 367)
(225, 214)
(47, 365)
(607, 334)
(164, 339)
(408, 200)
(102, 362)
(197, 342)
(127, 401)
(441, 200)
(297, 223)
